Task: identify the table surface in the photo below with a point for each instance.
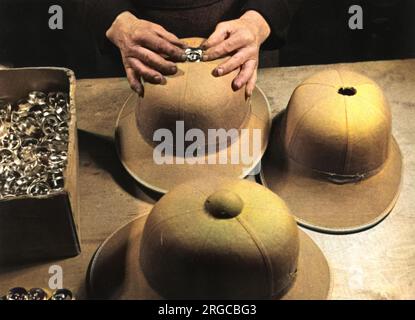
(375, 264)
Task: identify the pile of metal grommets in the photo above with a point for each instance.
(34, 138)
(20, 293)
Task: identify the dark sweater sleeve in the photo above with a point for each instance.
(278, 14)
(100, 14)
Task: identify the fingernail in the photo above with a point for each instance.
(205, 57)
(157, 79)
(139, 91)
(163, 81)
(219, 72)
(235, 86)
(183, 57)
(173, 69)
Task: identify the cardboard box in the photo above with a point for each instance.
(46, 227)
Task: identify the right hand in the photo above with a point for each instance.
(145, 48)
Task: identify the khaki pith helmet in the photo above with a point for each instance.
(333, 158)
(201, 101)
(215, 238)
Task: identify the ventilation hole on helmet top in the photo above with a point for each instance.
(350, 91)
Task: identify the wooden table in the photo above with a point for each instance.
(375, 264)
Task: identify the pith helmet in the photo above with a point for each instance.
(332, 157)
(216, 238)
(192, 99)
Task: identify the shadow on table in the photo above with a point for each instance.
(102, 152)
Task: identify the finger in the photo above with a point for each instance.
(232, 63)
(226, 47)
(220, 34)
(247, 70)
(250, 86)
(134, 81)
(153, 60)
(148, 74)
(170, 37)
(159, 45)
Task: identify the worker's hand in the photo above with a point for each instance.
(146, 49)
(241, 40)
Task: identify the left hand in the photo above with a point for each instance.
(241, 39)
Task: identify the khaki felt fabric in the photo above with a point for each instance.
(194, 96)
(181, 251)
(322, 130)
(136, 153)
(211, 247)
(204, 102)
(336, 133)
